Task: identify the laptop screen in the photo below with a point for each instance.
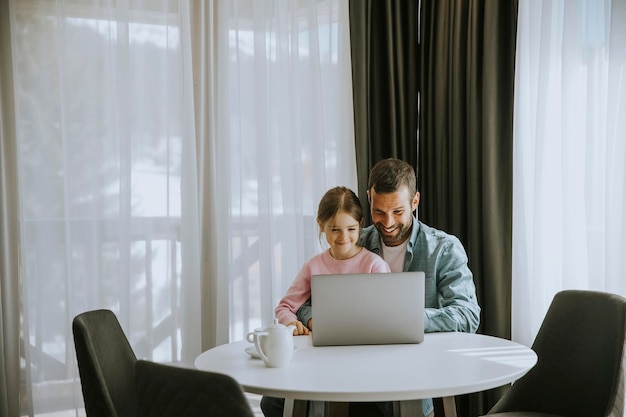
(362, 309)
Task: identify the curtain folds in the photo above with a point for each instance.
(105, 153)
(203, 21)
(10, 380)
(385, 74)
(466, 139)
(283, 134)
(466, 147)
(171, 156)
(570, 155)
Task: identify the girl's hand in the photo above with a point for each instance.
(300, 329)
(310, 324)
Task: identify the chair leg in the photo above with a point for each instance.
(449, 406)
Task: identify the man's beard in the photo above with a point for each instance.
(395, 240)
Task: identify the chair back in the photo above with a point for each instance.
(580, 351)
(106, 364)
(164, 391)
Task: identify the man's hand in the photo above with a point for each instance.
(300, 329)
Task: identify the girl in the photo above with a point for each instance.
(340, 219)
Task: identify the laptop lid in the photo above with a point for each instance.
(367, 309)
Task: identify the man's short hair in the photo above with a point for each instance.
(390, 175)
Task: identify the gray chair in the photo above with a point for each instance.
(106, 365)
(579, 371)
(116, 384)
(164, 391)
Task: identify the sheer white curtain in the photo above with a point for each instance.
(170, 164)
(284, 136)
(104, 139)
(569, 218)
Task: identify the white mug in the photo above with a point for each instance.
(274, 344)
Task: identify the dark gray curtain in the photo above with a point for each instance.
(465, 77)
(384, 75)
(466, 147)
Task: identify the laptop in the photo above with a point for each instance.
(367, 309)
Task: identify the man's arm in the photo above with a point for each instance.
(304, 313)
(457, 307)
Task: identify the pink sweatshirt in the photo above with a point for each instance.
(323, 263)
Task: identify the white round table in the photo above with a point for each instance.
(444, 365)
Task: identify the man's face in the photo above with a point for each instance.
(392, 214)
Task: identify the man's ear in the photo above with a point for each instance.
(416, 201)
(369, 198)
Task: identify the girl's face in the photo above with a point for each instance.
(342, 233)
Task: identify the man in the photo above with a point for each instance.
(409, 245)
